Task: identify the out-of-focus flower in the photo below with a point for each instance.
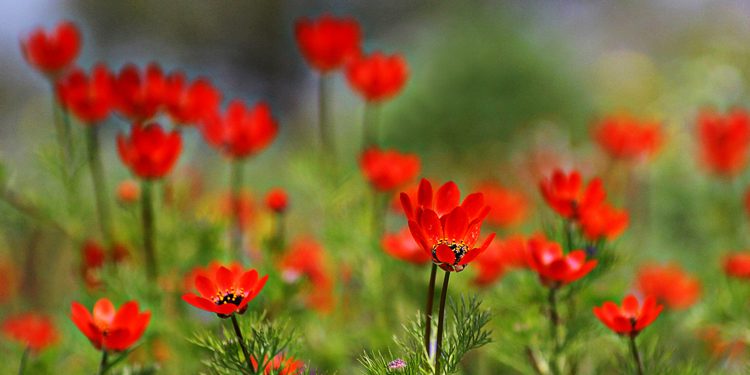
(565, 194)
(120, 252)
(245, 205)
(720, 347)
(140, 94)
(627, 138)
(128, 192)
(737, 265)
(630, 319)
(507, 207)
(35, 331)
(401, 245)
(307, 259)
(500, 257)
(377, 77)
(387, 170)
(328, 42)
(553, 267)
(190, 104)
(724, 141)
(149, 152)
(225, 290)
(52, 52)
(241, 132)
(94, 256)
(446, 228)
(397, 364)
(277, 200)
(90, 97)
(108, 328)
(603, 222)
(280, 365)
(669, 284)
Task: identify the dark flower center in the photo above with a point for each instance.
(230, 296)
(459, 249)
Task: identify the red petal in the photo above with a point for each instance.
(447, 198)
(456, 224)
(444, 254)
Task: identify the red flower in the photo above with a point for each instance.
(34, 331)
(624, 137)
(724, 141)
(738, 265)
(669, 284)
(555, 268)
(150, 153)
(280, 365)
(53, 52)
(603, 222)
(402, 246)
(190, 104)
(89, 97)
(306, 258)
(225, 290)
(444, 228)
(277, 200)
(377, 77)
(507, 207)
(108, 328)
(328, 42)
(241, 132)
(500, 257)
(564, 194)
(140, 95)
(128, 191)
(388, 169)
(630, 319)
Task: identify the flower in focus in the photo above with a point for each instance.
(444, 228)
(737, 265)
(377, 77)
(401, 245)
(280, 365)
(128, 191)
(241, 132)
(388, 170)
(109, 328)
(90, 97)
(140, 94)
(565, 194)
(34, 331)
(555, 268)
(630, 319)
(190, 104)
(149, 152)
(328, 42)
(277, 200)
(507, 207)
(306, 258)
(724, 141)
(52, 52)
(669, 284)
(603, 222)
(225, 290)
(500, 257)
(624, 137)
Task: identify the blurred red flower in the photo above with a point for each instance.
(603, 222)
(52, 52)
(627, 138)
(140, 94)
(33, 330)
(90, 97)
(669, 284)
(190, 104)
(241, 132)
(108, 328)
(500, 257)
(401, 245)
(630, 319)
(737, 265)
(245, 204)
(724, 140)
(719, 347)
(377, 77)
(128, 191)
(507, 207)
(306, 258)
(149, 152)
(93, 256)
(564, 194)
(280, 365)
(443, 227)
(388, 170)
(225, 290)
(553, 267)
(328, 42)
(277, 200)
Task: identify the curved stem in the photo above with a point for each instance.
(636, 355)
(236, 207)
(428, 310)
(554, 320)
(241, 340)
(147, 220)
(97, 177)
(24, 359)
(441, 317)
(103, 363)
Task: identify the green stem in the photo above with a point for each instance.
(147, 220)
(636, 355)
(279, 233)
(428, 310)
(103, 363)
(236, 207)
(554, 327)
(568, 228)
(324, 121)
(97, 176)
(24, 359)
(441, 318)
(241, 340)
(370, 126)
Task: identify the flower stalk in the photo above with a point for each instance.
(235, 184)
(636, 355)
(97, 177)
(103, 364)
(24, 360)
(441, 318)
(554, 328)
(241, 340)
(370, 126)
(147, 220)
(428, 310)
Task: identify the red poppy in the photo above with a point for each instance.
(500, 257)
(444, 228)
(627, 138)
(737, 265)
(277, 200)
(225, 290)
(34, 331)
(110, 329)
(554, 267)
(241, 132)
(280, 365)
(564, 193)
(328, 42)
(149, 152)
(603, 222)
(724, 140)
(128, 191)
(90, 97)
(140, 94)
(507, 207)
(306, 258)
(401, 245)
(377, 77)
(190, 104)
(52, 52)
(387, 170)
(669, 284)
(630, 319)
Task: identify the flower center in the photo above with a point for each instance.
(459, 249)
(231, 296)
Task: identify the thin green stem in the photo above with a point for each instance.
(97, 177)
(103, 364)
(441, 318)
(147, 220)
(554, 328)
(236, 207)
(568, 228)
(324, 121)
(636, 355)
(428, 310)
(24, 360)
(241, 340)
(371, 126)
(278, 238)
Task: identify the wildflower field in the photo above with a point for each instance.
(374, 188)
